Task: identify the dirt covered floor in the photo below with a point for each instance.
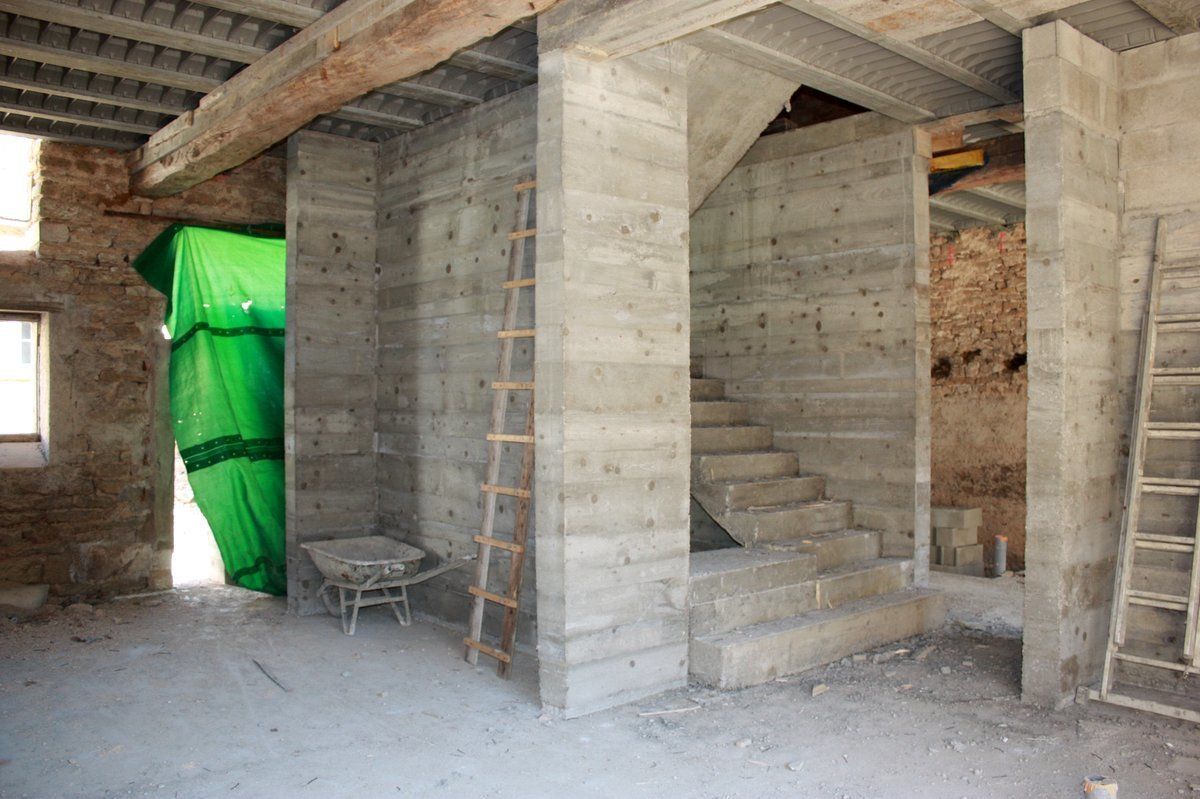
(216, 692)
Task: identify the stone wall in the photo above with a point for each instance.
(97, 519)
(977, 311)
(446, 206)
(810, 299)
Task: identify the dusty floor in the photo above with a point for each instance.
(162, 697)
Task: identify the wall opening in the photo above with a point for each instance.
(18, 228)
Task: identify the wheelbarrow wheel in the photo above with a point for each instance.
(326, 592)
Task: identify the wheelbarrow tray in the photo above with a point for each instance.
(364, 561)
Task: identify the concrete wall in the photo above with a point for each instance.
(446, 207)
(97, 519)
(330, 374)
(977, 313)
(1074, 424)
(1160, 175)
(809, 294)
(613, 415)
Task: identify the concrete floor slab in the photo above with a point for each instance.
(162, 698)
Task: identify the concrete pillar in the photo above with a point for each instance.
(1074, 475)
(613, 427)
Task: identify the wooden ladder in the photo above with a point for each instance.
(497, 437)
(1158, 570)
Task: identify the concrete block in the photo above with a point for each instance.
(22, 598)
(956, 517)
(955, 536)
(958, 556)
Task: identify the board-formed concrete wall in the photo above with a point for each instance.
(1073, 467)
(329, 366)
(810, 280)
(613, 413)
(446, 207)
(1160, 176)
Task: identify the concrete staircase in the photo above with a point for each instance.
(804, 588)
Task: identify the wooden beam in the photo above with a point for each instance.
(1181, 16)
(908, 50)
(72, 59)
(947, 133)
(357, 47)
(739, 48)
(1004, 158)
(995, 15)
(128, 28)
(960, 160)
(612, 29)
(75, 118)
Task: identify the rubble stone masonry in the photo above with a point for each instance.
(978, 309)
(97, 518)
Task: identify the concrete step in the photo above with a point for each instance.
(788, 522)
(751, 494)
(704, 388)
(835, 549)
(739, 587)
(734, 572)
(744, 466)
(718, 412)
(861, 579)
(734, 438)
(762, 652)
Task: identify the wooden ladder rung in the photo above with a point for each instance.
(527, 332)
(1176, 318)
(510, 438)
(512, 385)
(524, 282)
(499, 543)
(1176, 371)
(1145, 661)
(525, 185)
(487, 650)
(1163, 543)
(520, 493)
(490, 597)
(522, 234)
(1172, 432)
(1167, 485)
(1161, 601)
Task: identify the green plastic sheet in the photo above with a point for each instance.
(225, 317)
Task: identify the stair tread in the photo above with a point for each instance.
(790, 506)
(816, 538)
(717, 561)
(763, 480)
(858, 566)
(816, 618)
(732, 427)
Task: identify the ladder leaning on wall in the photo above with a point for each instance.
(1152, 658)
(514, 284)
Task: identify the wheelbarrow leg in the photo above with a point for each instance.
(354, 611)
(342, 610)
(406, 619)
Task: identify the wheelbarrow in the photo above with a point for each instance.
(373, 563)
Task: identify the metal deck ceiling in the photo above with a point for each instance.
(111, 72)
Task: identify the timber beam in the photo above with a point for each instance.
(357, 47)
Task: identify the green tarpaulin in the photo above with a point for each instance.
(225, 317)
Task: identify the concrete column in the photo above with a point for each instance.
(1074, 475)
(613, 428)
